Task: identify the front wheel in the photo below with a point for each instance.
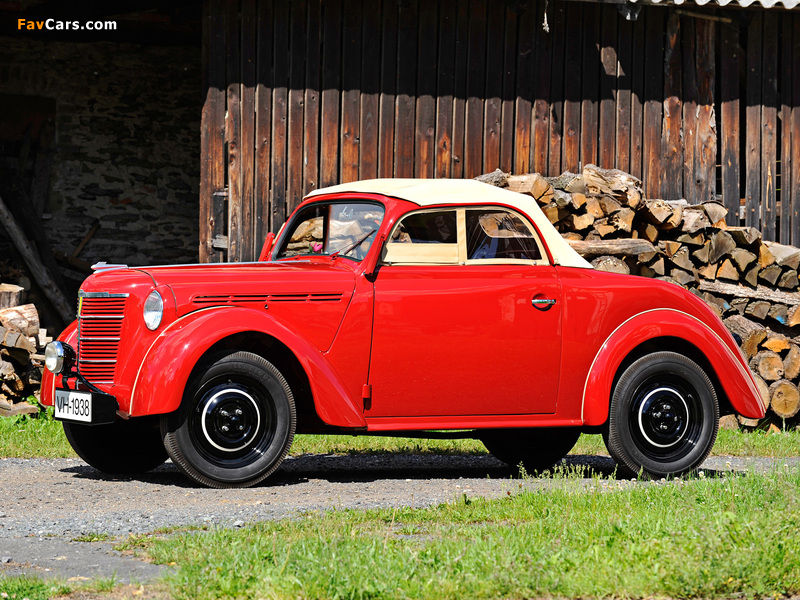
(235, 424)
(664, 416)
(124, 447)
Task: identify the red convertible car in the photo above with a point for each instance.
(393, 307)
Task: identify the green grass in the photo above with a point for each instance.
(33, 438)
(93, 537)
(758, 443)
(32, 588)
(366, 444)
(44, 438)
(702, 538)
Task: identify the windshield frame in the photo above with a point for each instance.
(282, 243)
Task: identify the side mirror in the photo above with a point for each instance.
(267, 247)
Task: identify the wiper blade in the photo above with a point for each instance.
(354, 245)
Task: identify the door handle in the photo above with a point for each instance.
(543, 303)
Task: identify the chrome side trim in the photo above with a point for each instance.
(83, 294)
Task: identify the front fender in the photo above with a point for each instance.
(166, 368)
(730, 370)
(68, 336)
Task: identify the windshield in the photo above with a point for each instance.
(342, 228)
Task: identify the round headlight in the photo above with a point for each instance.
(153, 310)
(54, 357)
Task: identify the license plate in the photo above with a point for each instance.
(73, 406)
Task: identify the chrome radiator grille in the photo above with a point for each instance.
(100, 316)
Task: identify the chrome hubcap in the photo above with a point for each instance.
(663, 417)
(230, 419)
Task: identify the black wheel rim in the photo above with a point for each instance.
(666, 419)
(233, 421)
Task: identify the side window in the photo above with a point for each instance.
(497, 234)
(427, 237)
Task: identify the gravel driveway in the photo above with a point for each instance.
(45, 504)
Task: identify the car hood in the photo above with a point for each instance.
(205, 285)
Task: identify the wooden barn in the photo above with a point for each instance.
(699, 100)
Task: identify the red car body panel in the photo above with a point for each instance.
(414, 347)
(169, 363)
(484, 312)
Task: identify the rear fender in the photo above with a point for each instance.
(169, 362)
(734, 376)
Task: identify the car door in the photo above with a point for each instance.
(467, 318)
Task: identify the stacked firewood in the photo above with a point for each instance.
(749, 282)
(21, 359)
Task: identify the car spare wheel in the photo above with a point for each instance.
(121, 448)
(536, 449)
(663, 418)
(235, 424)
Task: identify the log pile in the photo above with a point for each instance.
(21, 346)
(751, 283)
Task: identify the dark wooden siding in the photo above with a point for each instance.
(311, 93)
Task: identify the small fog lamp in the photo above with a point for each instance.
(153, 310)
(58, 357)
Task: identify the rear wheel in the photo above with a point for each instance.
(123, 447)
(537, 449)
(235, 424)
(664, 416)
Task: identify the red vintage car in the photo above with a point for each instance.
(393, 307)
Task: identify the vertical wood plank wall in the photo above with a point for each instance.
(303, 94)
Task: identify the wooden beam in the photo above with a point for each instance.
(590, 80)
(425, 117)
(311, 100)
(653, 96)
(476, 88)
(740, 291)
(769, 126)
(784, 185)
(571, 134)
(212, 129)
(351, 89)
(331, 84)
(250, 245)
(706, 140)
(730, 59)
(557, 74)
(540, 146)
(370, 88)
(607, 148)
(295, 136)
(672, 138)
(753, 122)
(233, 130)
(386, 119)
(263, 125)
(619, 247)
(405, 105)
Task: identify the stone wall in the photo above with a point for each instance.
(127, 137)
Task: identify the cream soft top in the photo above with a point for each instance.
(427, 192)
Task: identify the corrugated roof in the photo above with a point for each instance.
(789, 4)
